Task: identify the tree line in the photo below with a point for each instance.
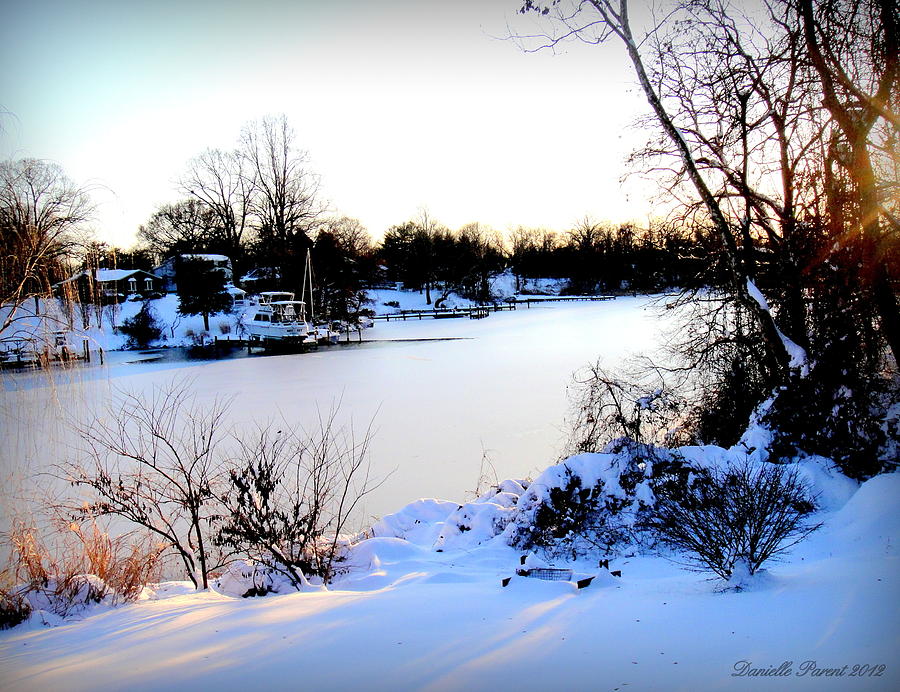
(259, 205)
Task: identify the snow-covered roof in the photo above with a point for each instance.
(114, 274)
(103, 275)
(206, 256)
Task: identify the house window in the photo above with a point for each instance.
(132, 285)
(148, 284)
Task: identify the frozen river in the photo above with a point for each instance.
(492, 390)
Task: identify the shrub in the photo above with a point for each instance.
(84, 566)
(837, 415)
(591, 503)
(604, 408)
(197, 338)
(570, 511)
(143, 328)
(290, 498)
(731, 521)
(153, 459)
(13, 608)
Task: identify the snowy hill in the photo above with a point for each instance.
(406, 616)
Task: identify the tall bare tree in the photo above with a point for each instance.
(185, 226)
(427, 229)
(800, 196)
(855, 50)
(597, 21)
(286, 201)
(40, 212)
(224, 183)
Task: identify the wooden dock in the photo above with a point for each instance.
(477, 312)
(474, 312)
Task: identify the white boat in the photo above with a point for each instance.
(324, 334)
(276, 316)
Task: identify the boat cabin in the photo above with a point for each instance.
(269, 297)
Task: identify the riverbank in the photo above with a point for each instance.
(408, 618)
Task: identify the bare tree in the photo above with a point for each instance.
(292, 495)
(352, 237)
(427, 229)
(286, 197)
(861, 90)
(596, 21)
(481, 253)
(523, 243)
(185, 226)
(224, 183)
(40, 212)
(585, 234)
(152, 460)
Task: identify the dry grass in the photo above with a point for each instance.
(83, 565)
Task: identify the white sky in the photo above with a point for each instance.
(401, 104)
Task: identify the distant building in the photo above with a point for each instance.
(109, 285)
(168, 269)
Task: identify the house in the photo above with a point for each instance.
(168, 269)
(109, 285)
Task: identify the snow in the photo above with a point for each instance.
(798, 359)
(114, 274)
(408, 617)
(419, 602)
(177, 330)
(502, 287)
(208, 257)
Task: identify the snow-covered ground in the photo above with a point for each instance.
(445, 394)
(410, 618)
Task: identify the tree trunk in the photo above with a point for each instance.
(777, 356)
(855, 122)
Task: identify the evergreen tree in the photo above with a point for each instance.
(201, 288)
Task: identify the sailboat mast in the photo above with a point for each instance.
(307, 272)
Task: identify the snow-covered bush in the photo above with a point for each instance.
(415, 521)
(587, 504)
(246, 579)
(732, 520)
(724, 510)
(840, 415)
